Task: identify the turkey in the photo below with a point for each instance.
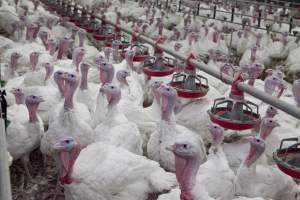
(115, 128)
(115, 173)
(259, 180)
(168, 132)
(187, 161)
(68, 121)
(25, 136)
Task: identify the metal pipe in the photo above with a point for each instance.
(259, 18)
(232, 14)
(215, 12)
(291, 25)
(179, 6)
(285, 107)
(5, 189)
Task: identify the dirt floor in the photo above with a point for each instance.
(43, 183)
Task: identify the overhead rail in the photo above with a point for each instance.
(281, 105)
(290, 21)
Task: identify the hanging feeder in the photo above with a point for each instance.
(104, 32)
(141, 52)
(158, 66)
(52, 5)
(288, 158)
(123, 42)
(93, 24)
(62, 9)
(83, 20)
(189, 84)
(75, 16)
(234, 112)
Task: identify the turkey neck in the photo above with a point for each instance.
(265, 131)
(63, 46)
(84, 77)
(32, 110)
(186, 173)
(70, 89)
(81, 36)
(60, 85)
(49, 71)
(13, 64)
(112, 104)
(67, 162)
(167, 107)
(20, 99)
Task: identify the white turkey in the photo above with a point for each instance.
(168, 132)
(68, 120)
(24, 137)
(115, 129)
(115, 173)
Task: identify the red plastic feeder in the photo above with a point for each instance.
(288, 158)
(93, 25)
(122, 43)
(234, 112)
(141, 52)
(189, 84)
(104, 33)
(158, 66)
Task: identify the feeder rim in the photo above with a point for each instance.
(211, 114)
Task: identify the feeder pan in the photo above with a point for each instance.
(200, 87)
(158, 66)
(124, 42)
(288, 159)
(83, 21)
(75, 18)
(234, 112)
(189, 84)
(103, 34)
(141, 52)
(92, 27)
(296, 33)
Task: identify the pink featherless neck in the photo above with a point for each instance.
(186, 173)
(68, 160)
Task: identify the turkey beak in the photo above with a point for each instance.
(171, 148)
(277, 124)
(65, 75)
(42, 99)
(58, 146)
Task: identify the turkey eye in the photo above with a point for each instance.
(33, 97)
(72, 76)
(185, 146)
(112, 87)
(257, 140)
(168, 89)
(215, 127)
(67, 141)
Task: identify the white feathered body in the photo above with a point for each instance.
(105, 172)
